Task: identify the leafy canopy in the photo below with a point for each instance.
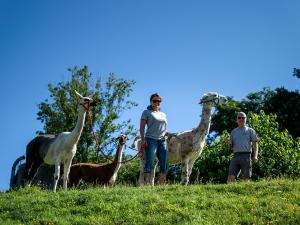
(59, 114)
(282, 102)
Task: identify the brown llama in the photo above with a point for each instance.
(105, 174)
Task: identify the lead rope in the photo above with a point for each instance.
(96, 139)
(140, 151)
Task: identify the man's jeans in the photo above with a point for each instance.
(153, 147)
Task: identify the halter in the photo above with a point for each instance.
(215, 100)
(87, 109)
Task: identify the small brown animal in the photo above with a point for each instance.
(105, 174)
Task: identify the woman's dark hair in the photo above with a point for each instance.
(149, 107)
(155, 95)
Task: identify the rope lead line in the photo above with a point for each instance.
(100, 150)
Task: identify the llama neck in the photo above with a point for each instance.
(204, 125)
(76, 132)
(119, 154)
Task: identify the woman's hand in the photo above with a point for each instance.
(143, 143)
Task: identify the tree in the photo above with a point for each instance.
(282, 102)
(286, 105)
(60, 114)
(255, 102)
(296, 72)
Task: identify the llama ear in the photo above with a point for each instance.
(91, 96)
(78, 94)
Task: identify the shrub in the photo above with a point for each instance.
(213, 163)
(279, 153)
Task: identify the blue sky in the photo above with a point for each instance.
(181, 49)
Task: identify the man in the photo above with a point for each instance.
(244, 142)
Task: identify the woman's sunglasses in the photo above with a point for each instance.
(156, 101)
(240, 117)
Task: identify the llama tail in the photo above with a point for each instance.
(13, 171)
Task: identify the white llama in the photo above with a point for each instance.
(186, 147)
(57, 150)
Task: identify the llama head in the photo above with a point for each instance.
(122, 139)
(213, 98)
(86, 102)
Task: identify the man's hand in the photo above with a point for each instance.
(254, 160)
(255, 152)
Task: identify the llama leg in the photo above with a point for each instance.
(27, 169)
(33, 161)
(141, 177)
(67, 166)
(33, 170)
(56, 174)
(74, 176)
(190, 168)
(152, 173)
(184, 174)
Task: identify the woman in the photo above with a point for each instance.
(154, 139)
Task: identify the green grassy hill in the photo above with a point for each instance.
(263, 202)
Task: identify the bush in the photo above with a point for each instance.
(129, 173)
(279, 153)
(212, 166)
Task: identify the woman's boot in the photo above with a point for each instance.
(161, 179)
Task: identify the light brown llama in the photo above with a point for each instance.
(105, 174)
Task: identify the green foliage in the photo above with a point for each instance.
(212, 166)
(256, 101)
(296, 72)
(279, 153)
(60, 114)
(286, 105)
(129, 172)
(264, 202)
